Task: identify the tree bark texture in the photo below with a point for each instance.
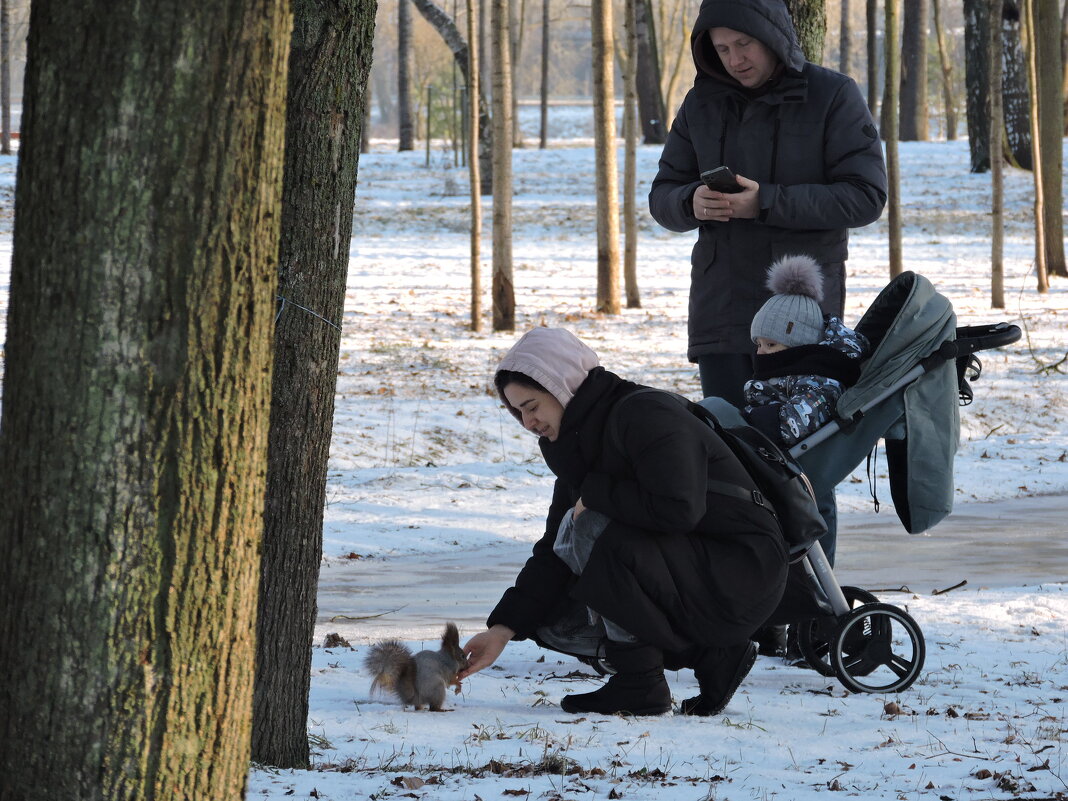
(1048, 107)
(913, 119)
(651, 110)
(405, 120)
(892, 41)
(133, 441)
(330, 60)
(604, 147)
(5, 78)
(458, 46)
(1015, 93)
(871, 16)
(630, 158)
(946, 67)
(845, 37)
(473, 167)
(977, 21)
(543, 128)
(810, 20)
(997, 182)
(503, 286)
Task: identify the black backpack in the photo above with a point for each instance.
(783, 489)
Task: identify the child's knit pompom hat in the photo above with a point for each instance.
(792, 315)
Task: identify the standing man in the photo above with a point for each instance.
(807, 158)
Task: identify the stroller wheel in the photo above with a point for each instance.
(878, 649)
(814, 636)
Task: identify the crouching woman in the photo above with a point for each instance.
(676, 576)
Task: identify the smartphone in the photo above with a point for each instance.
(721, 179)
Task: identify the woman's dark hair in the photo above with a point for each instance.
(505, 377)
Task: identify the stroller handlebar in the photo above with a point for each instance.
(973, 338)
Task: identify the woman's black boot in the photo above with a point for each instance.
(719, 672)
(637, 688)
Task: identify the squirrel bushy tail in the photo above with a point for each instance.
(417, 679)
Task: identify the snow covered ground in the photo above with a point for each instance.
(424, 462)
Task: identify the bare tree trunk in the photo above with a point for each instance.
(1064, 62)
(997, 185)
(406, 124)
(5, 78)
(651, 110)
(1015, 91)
(329, 63)
(544, 128)
(1042, 46)
(977, 24)
(604, 138)
(845, 38)
(810, 20)
(516, 24)
(473, 92)
(947, 72)
(133, 437)
(890, 133)
(459, 47)
(913, 120)
(503, 287)
(630, 160)
(872, 19)
(484, 55)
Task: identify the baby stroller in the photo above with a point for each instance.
(909, 393)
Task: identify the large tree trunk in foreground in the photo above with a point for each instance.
(330, 61)
(133, 442)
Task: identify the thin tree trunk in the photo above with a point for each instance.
(503, 287)
(473, 92)
(845, 38)
(454, 40)
(810, 20)
(872, 19)
(133, 438)
(890, 134)
(406, 123)
(329, 63)
(947, 72)
(543, 139)
(651, 110)
(913, 120)
(1046, 43)
(997, 185)
(630, 159)
(604, 140)
(5, 78)
(516, 20)
(1027, 7)
(977, 23)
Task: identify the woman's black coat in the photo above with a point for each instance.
(677, 567)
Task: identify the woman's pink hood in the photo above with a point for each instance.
(554, 357)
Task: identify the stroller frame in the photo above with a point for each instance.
(853, 637)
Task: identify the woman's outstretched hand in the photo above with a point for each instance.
(483, 649)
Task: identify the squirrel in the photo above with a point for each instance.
(419, 679)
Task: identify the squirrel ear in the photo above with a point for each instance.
(451, 635)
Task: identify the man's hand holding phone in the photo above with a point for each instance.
(725, 196)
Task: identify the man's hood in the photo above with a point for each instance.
(765, 20)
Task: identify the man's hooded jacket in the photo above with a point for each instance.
(806, 137)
